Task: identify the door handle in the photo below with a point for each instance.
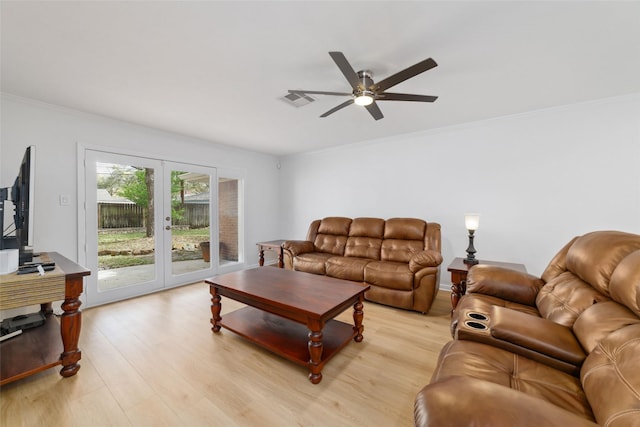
(168, 227)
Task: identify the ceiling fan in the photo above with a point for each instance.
(366, 92)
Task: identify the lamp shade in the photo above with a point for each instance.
(471, 221)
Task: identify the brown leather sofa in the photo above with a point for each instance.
(399, 258)
(559, 350)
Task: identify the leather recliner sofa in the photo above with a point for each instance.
(399, 257)
(557, 350)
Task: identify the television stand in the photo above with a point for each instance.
(41, 348)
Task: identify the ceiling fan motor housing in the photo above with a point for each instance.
(366, 84)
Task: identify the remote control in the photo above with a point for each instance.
(34, 269)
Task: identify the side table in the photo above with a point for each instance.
(459, 270)
(271, 245)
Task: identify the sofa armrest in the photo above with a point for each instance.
(422, 259)
(536, 333)
(511, 285)
(297, 247)
(465, 401)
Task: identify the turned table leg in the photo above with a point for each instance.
(215, 309)
(358, 315)
(315, 353)
(70, 323)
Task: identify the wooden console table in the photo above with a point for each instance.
(272, 245)
(42, 348)
(459, 270)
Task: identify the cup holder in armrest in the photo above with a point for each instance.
(475, 325)
(477, 316)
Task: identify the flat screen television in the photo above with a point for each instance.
(22, 196)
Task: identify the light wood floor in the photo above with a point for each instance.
(153, 361)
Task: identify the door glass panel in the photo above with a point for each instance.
(126, 237)
(190, 222)
(228, 220)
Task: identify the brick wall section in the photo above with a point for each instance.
(228, 217)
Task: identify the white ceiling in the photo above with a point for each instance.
(217, 70)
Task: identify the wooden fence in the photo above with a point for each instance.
(195, 216)
(128, 215)
(120, 215)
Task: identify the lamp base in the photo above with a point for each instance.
(471, 251)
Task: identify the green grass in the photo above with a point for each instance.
(107, 238)
(119, 261)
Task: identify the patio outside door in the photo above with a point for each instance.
(188, 222)
(148, 225)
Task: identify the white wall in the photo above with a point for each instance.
(537, 179)
(56, 133)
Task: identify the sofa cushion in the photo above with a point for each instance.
(330, 244)
(313, 262)
(400, 250)
(594, 256)
(405, 229)
(484, 362)
(564, 298)
(335, 225)
(332, 235)
(367, 227)
(393, 275)
(599, 320)
(346, 268)
(463, 401)
(403, 237)
(363, 247)
(611, 378)
(365, 238)
(624, 285)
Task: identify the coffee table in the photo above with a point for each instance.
(290, 313)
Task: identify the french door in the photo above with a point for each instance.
(149, 225)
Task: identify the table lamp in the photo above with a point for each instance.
(471, 221)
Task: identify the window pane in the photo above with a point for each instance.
(189, 222)
(125, 229)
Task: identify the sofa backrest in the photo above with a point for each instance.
(588, 262)
(329, 235)
(403, 237)
(365, 238)
(395, 239)
(599, 320)
(624, 286)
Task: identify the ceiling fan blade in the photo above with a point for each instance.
(404, 97)
(374, 110)
(405, 74)
(339, 107)
(319, 92)
(346, 68)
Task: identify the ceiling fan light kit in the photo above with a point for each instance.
(364, 99)
(365, 92)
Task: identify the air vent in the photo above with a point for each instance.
(297, 99)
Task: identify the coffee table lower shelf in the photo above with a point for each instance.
(284, 337)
